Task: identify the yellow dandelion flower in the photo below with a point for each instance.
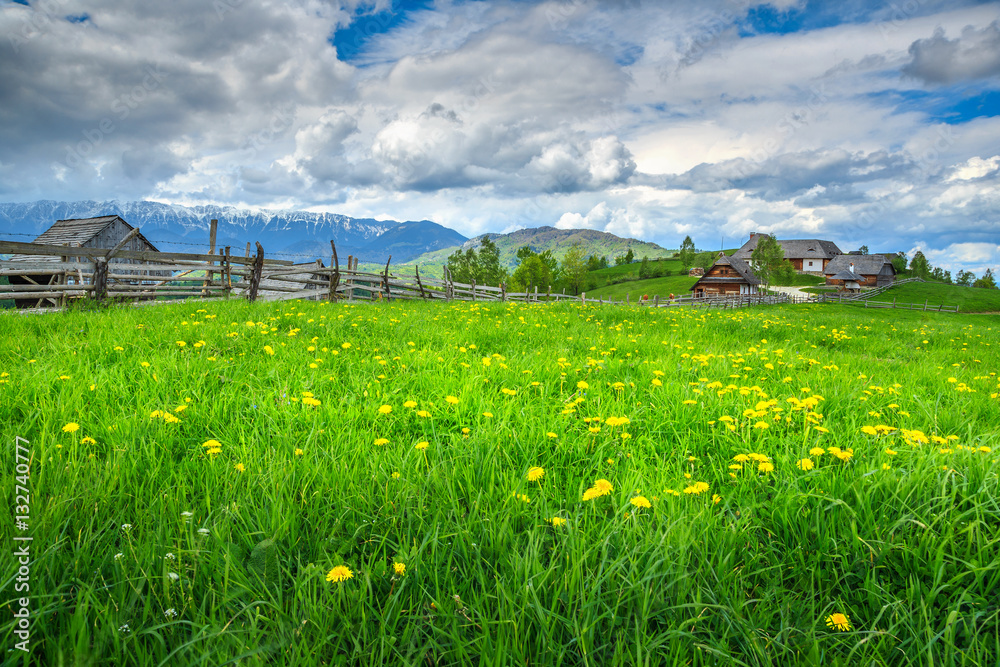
(385, 409)
(87, 440)
(422, 445)
(535, 473)
(765, 466)
(551, 434)
(181, 343)
(71, 427)
(340, 572)
(488, 415)
(557, 521)
(395, 475)
(451, 399)
(804, 464)
(345, 346)
(839, 622)
(817, 451)
(641, 501)
(240, 467)
(582, 385)
(399, 568)
(410, 404)
(423, 413)
(716, 499)
(298, 452)
(381, 441)
(269, 350)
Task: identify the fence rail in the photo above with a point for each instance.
(53, 276)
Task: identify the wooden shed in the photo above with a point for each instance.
(868, 270)
(101, 232)
(728, 276)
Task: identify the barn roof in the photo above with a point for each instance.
(844, 275)
(864, 265)
(794, 248)
(741, 267)
(74, 232)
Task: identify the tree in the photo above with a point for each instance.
(965, 278)
(535, 269)
(987, 281)
(899, 262)
(574, 269)
(687, 253)
(627, 258)
(863, 250)
(483, 266)
(919, 266)
(767, 258)
(644, 269)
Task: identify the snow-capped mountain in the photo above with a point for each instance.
(295, 235)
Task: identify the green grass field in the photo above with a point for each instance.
(665, 286)
(498, 484)
(968, 299)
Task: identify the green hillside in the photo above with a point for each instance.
(541, 239)
(968, 299)
(665, 286)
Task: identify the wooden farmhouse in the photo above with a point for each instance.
(728, 276)
(102, 232)
(806, 255)
(864, 270)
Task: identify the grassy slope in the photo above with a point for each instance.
(676, 285)
(905, 542)
(968, 299)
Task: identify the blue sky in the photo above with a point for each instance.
(865, 123)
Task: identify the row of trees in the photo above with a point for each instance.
(533, 269)
(920, 267)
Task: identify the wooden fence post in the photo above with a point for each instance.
(350, 283)
(385, 279)
(210, 275)
(503, 292)
(419, 284)
(335, 276)
(100, 278)
(536, 292)
(925, 303)
(248, 250)
(255, 275)
(473, 289)
(583, 297)
(229, 272)
(656, 301)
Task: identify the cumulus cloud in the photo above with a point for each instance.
(939, 60)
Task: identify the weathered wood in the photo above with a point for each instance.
(100, 285)
(258, 268)
(212, 229)
(385, 279)
(229, 272)
(16, 247)
(335, 276)
(419, 284)
(248, 249)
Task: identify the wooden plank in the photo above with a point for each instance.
(16, 247)
(258, 267)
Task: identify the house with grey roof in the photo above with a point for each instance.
(866, 270)
(806, 255)
(727, 276)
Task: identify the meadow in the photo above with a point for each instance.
(499, 483)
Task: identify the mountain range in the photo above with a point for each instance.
(303, 236)
(297, 235)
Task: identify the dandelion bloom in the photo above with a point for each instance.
(381, 441)
(399, 568)
(385, 409)
(869, 430)
(298, 452)
(423, 444)
(345, 346)
(212, 444)
(582, 385)
(716, 498)
(696, 488)
(535, 473)
(817, 451)
(839, 622)
(641, 501)
(551, 434)
(423, 413)
(181, 343)
(240, 467)
(451, 399)
(269, 350)
(521, 496)
(339, 573)
(488, 415)
(410, 404)
(890, 452)
(742, 458)
(71, 427)
(804, 464)
(765, 466)
(395, 475)
(557, 521)
(88, 441)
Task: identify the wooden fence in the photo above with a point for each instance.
(869, 302)
(53, 276)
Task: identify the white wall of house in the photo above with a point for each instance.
(748, 289)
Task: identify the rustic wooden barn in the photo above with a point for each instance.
(869, 270)
(101, 232)
(728, 276)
